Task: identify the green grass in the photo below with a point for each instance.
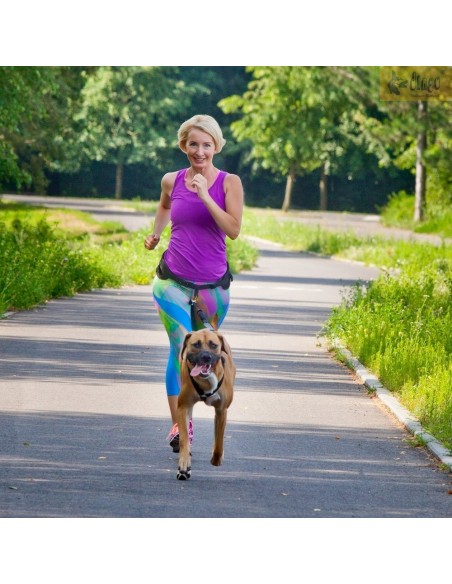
(46, 254)
(400, 326)
(399, 213)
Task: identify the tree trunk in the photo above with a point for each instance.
(288, 193)
(419, 198)
(324, 187)
(118, 182)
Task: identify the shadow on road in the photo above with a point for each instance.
(77, 465)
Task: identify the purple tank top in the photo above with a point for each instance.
(197, 247)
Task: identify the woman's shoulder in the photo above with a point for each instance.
(169, 179)
(232, 179)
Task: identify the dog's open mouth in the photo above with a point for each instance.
(202, 370)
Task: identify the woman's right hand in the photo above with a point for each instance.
(151, 241)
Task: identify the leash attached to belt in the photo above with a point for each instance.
(163, 272)
(202, 316)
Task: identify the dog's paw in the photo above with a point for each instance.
(217, 459)
(184, 475)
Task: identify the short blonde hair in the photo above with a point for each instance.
(206, 124)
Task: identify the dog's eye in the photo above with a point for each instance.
(213, 345)
(197, 345)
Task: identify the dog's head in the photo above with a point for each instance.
(202, 352)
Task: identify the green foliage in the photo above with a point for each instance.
(400, 325)
(57, 121)
(39, 260)
(22, 90)
(295, 236)
(291, 117)
(127, 113)
(399, 213)
(36, 108)
(36, 265)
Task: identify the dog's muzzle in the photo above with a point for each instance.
(202, 363)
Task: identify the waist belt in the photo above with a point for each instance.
(164, 273)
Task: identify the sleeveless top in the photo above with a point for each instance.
(197, 246)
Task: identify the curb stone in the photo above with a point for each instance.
(402, 414)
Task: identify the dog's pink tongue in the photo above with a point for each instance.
(197, 369)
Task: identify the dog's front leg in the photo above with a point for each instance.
(219, 428)
(183, 416)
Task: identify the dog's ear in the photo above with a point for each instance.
(215, 322)
(184, 346)
(224, 345)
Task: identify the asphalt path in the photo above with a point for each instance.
(84, 414)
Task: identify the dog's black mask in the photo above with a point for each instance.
(203, 358)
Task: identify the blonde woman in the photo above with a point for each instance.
(204, 205)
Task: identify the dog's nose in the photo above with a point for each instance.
(205, 357)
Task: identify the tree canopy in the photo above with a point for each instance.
(323, 131)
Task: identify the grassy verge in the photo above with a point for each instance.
(400, 325)
(399, 213)
(46, 254)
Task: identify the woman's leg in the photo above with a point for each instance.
(173, 304)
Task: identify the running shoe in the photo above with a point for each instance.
(173, 436)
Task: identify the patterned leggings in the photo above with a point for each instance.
(173, 305)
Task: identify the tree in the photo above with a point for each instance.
(127, 115)
(421, 146)
(412, 136)
(22, 101)
(292, 119)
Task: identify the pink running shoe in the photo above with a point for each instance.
(173, 436)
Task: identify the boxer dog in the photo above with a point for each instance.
(207, 374)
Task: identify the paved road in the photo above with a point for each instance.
(83, 415)
(100, 209)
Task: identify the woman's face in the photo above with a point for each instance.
(200, 149)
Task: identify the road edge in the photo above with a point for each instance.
(388, 399)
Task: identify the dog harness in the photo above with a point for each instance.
(203, 396)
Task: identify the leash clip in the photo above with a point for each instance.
(196, 309)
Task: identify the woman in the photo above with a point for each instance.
(204, 205)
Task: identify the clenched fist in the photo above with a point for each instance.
(151, 241)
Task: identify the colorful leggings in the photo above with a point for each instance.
(173, 305)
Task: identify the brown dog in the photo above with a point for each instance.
(207, 374)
